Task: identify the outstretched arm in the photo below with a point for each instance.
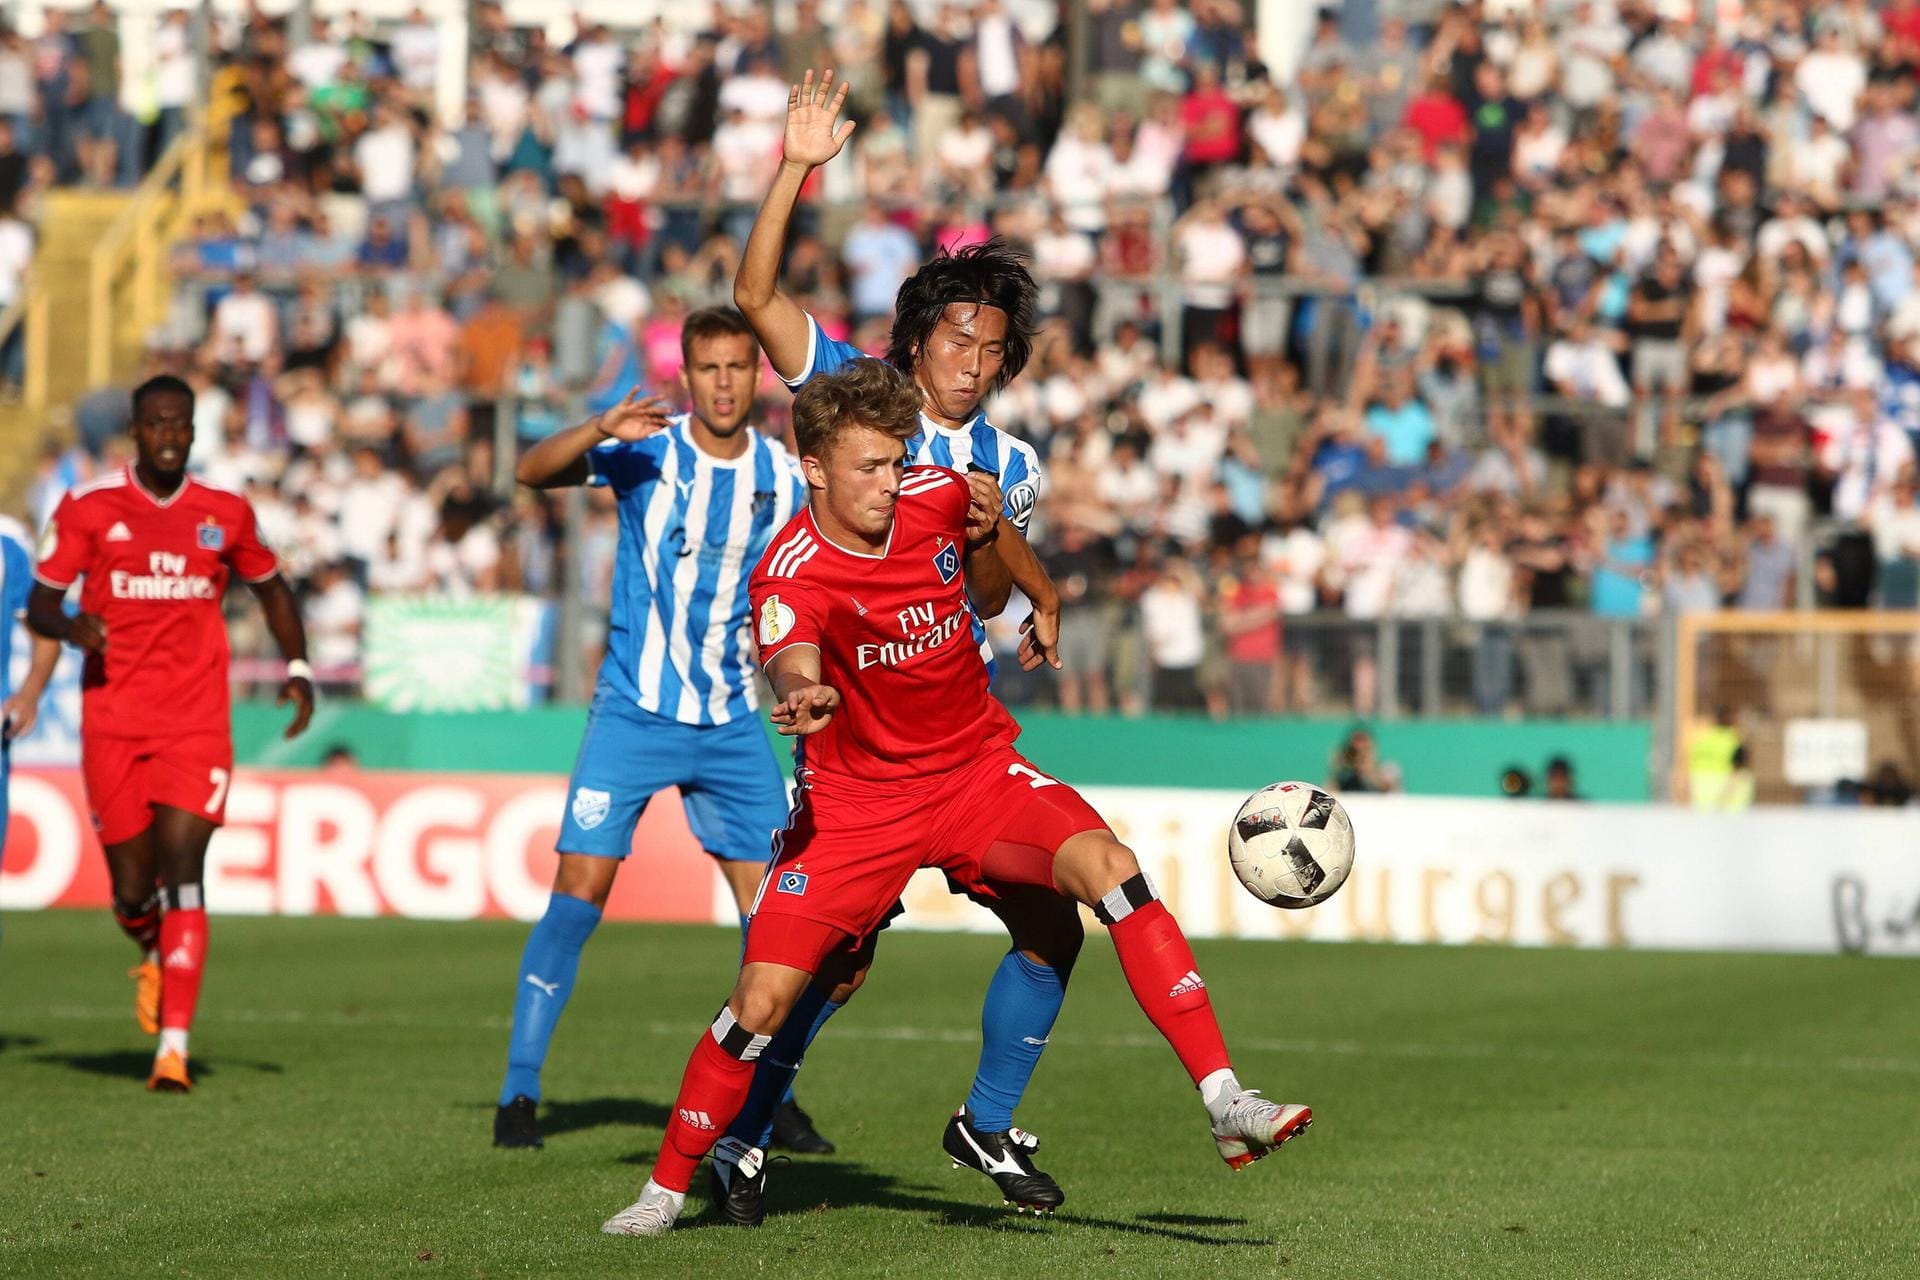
(283, 620)
(561, 459)
(802, 705)
(1042, 639)
(812, 139)
(23, 708)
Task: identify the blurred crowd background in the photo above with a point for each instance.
(1433, 372)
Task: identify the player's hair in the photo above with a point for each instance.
(990, 274)
(161, 383)
(863, 392)
(714, 322)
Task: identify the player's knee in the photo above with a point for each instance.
(1051, 935)
(761, 1007)
(1096, 868)
(843, 990)
(844, 973)
(132, 884)
(587, 878)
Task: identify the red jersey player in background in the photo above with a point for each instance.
(907, 761)
(156, 547)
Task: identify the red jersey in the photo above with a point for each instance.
(895, 636)
(156, 570)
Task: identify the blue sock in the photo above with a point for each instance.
(779, 1063)
(1022, 1001)
(547, 969)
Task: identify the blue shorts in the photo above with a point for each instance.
(735, 795)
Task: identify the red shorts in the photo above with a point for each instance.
(126, 777)
(850, 848)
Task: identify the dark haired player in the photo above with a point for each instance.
(156, 547)
(907, 761)
(699, 495)
(963, 327)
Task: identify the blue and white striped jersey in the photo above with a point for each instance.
(979, 443)
(16, 582)
(691, 529)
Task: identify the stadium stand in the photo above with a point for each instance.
(1429, 376)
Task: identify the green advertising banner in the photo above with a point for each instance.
(444, 653)
(1435, 757)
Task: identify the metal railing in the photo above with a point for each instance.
(127, 278)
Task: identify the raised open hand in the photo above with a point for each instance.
(812, 137)
(636, 417)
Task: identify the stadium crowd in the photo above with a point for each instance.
(1502, 310)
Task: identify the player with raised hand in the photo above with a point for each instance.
(908, 761)
(963, 328)
(157, 547)
(698, 495)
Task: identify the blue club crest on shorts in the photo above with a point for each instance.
(946, 561)
(212, 536)
(590, 807)
(793, 882)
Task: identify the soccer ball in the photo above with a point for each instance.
(1291, 845)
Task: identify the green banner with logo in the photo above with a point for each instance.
(449, 653)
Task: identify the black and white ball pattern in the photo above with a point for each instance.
(1291, 845)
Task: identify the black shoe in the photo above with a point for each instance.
(793, 1131)
(1004, 1159)
(514, 1125)
(737, 1182)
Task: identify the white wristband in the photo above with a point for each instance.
(299, 669)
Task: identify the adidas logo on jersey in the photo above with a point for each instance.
(697, 1120)
(119, 532)
(1187, 985)
(178, 958)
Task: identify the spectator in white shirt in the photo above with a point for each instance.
(334, 611)
(317, 63)
(1080, 169)
(597, 63)
(416, 53)
(385, 156)
(1831, 78)
(1213, 260)
(246, 327)
(1173, 624)
(964, 163)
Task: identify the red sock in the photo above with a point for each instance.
(141, 922)
(183, 958)
(1159, 966)
(711, 1094)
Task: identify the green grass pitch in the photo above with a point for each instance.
(1480, 1112)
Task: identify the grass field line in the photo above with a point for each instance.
(1455, 1051)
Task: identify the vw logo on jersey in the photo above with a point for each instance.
(590, 807)
(1020, 500)
(793, 882)
(946, 561)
